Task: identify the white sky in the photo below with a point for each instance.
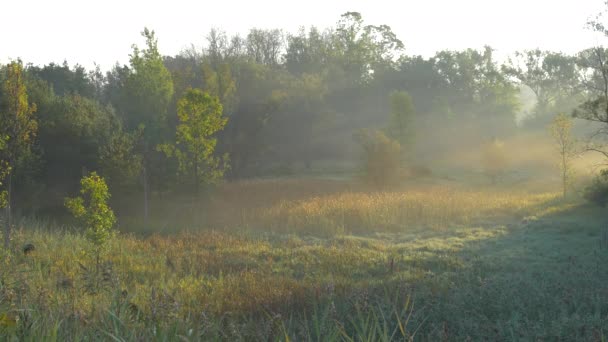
(86, 31)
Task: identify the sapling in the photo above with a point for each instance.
(92, 210)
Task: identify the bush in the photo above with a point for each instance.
(92, 210)
(597, 192)
(381, 158)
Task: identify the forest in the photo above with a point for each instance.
(312, 185)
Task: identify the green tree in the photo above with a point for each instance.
(200, 118)
(19, 127)
(402, 115)
(72, 130)
(561, 131)
(220, 83)
(119, 161)
(92, 210)
(149, 90)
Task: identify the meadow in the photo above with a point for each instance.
(310, 259)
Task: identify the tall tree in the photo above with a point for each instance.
(200, 118)
(149, 89)
(553, 77)
(218, 81)
(594, 65)
(18, 125)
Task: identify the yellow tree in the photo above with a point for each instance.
(561, 131)
(19, 128)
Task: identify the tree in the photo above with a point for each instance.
(19, 127)
(402, 114)
(200, 118)
(561, 131)
(149, 90)
(72, 130)
(219, 82)
(92, 210)
(119, 161)
(265, 46)
(553, 77)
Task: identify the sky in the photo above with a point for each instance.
(102, 32)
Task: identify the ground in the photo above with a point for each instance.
(310, 259)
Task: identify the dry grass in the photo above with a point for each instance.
(394, 212)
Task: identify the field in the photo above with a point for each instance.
(309, 259)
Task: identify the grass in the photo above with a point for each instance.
(324, 260)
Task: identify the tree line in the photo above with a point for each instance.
(254, 105)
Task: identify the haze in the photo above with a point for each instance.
(304, 171)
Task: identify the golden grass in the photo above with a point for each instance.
(341, 207)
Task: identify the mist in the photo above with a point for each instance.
(320, 183)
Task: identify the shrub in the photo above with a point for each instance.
(381, 158)
(597, 192)
(92, 209)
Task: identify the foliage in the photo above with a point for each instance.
(120, 163)
(200, 118)
(72, 131)
(148, 89)
(553, 77)
(597, 191)
(561, 131)
(4, 170)
(381, 158)
(594, 108)
(17, 121)
(401, 118)
(92, 210)
(18, 127)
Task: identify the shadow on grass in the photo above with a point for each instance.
(544, 278)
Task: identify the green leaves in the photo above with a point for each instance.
(200, 117)
(149, 89)
(16, 120)
(402, 115)
(92, 210)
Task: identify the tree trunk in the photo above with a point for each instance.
(7, 229)
(196, 181)
(145, 181)
(564, 171)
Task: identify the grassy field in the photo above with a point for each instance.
(317, 260)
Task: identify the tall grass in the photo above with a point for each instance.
(326, 208)
(427, 263)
